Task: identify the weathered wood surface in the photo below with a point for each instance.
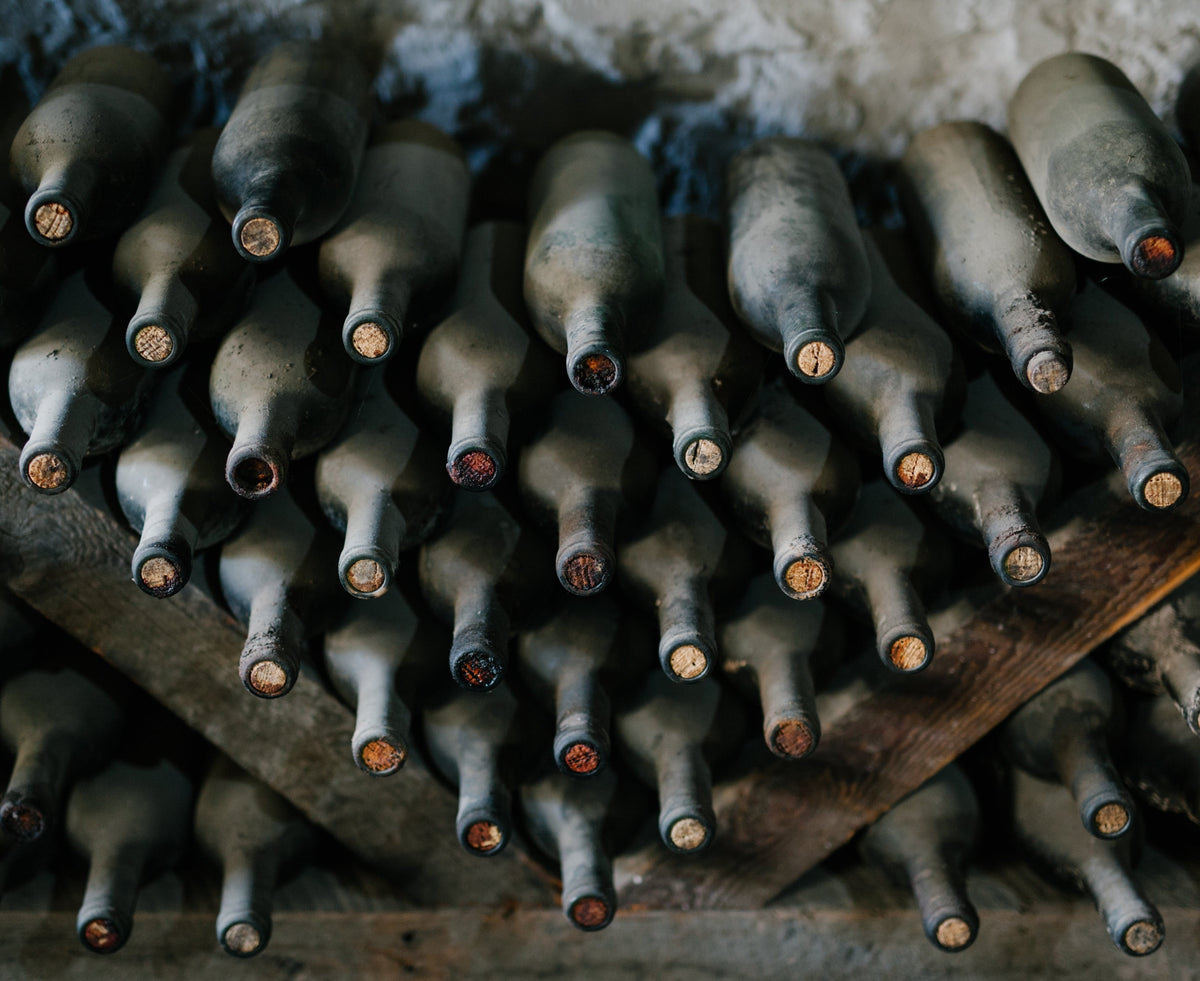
(70, 561)
(1111, 561)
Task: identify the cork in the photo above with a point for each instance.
(474, 470)
(380, 756)
(594, 374)
(815, 359)
(1155, 257)
(268, 678)
(581, 758)
(590, 912)
(24, 822)
(1111, 819)
(1143, 937)
(365, 576)
(805, 577)
(703, 456)
(102, 934)
(484, 836)
(152, 343)
(953, 933)
(792, 738)
(1047, 372)
(260, 237)
(47, 471)
(159, 575)
(255, 475)
(1163, 490)
(908, 653)
(53, 221)
(242, 938)
(478, 670)
(688, 834)
(370, 340)
(1023, 564)
(585, 572)
(915, 470)
(688, 661)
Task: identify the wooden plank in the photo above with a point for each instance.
(1111, 561)
(70, 561)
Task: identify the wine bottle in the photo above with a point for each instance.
(60, 722)
(375, 651)
(887, 561)
(475, 575)
(285, 165)
(669, 736)
(401, 235)
(1160, 652)
(88, 153)
(772, 648)
(924, 843)
(798, 272)
(1000, 273)
(901, 386)
(475, 743)
(788, 483)
(1002, 471)
(280, 386)
(73, 388)
(175, 263)
(566, 820)
(274, 575)
(378, 482)
(253, 835)
(170, 488)
(480, 366)
(582, 473)
(1047, 833)
(1112, 180)
(594, 259)
(1062, 734)
(695, 372)
(1125, 390)
(131, 822)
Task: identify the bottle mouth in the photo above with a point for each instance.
(243, 939)
(267, 678)
(380, 755)
(255, 472)
(151, 344)
(688, 833)
(1047, 372)
(370, 337)
(586, 570)
(595, 370)
(684, 656)
(578, 753)
(1142, 937)
(1163, 490)
(159, 576)
(258, 236)
(1153, 253)
(702, 454)
(1021, 560)
(476, 465)
(802, 576)
(954, 933)
(24, 819)
(482, 835)
(52, 218)
(916, 467)
(908, 653)
(591, 912)
(792, 739)
(479, 670)
(364, 574)
(103, 934)
(815, 356)
(1110, 820)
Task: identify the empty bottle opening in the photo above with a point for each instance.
(153, 344)
(1143, 937)
(160, 576)
(1111, 820)
(53, 221)
(792, 738)
(590, 912)
(260, 237)
(1163, 490)
(954, 933)
(581, 758)
(688, 661)
(1047, 372)
(908, 653)
(703, 457)
(478, 669)
(365, 576)
(381, 756)
(102, 934)
(1156, 257)
(370, 340)
(24, 821)
(805, 577)
(688, 834)
(474, 470)
(484, 836)
(915, 470)
(268, 678)
(815, 359)
(585, 572)
(1023, 564)
(241, 938)
(594, 374)
(255, 477)
(48, 471)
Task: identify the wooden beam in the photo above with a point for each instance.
(70, 561)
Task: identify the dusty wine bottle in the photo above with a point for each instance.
(73, 388)
(1000, 273)
(175, 263)
(887, 561)
(924, 842)
(669, 735)
(566, 820)
(474, 575)
(1125, 390)
(474, 742)
(60, 724)
(280, 386)
(88, 153)
(378, 483)
(788, 483)
(902, 385)
(1062, 734)
(274, 574)
(252, 834)
(695, 371)
(1002, 471)
(798, 272)
(131, 822)
(1176, 297)
(583, 472)
(400, 237)
(1112, 180)
(285, 165)
(594, 259)
(772, 648)
(480, 366)
(1046, 830)
(373, 652)
(170, 488)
